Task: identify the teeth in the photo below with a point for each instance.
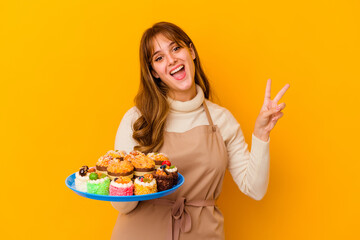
(177, 69)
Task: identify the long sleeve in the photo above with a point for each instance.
(124, 141)
(250, 170)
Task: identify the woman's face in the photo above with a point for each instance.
(174, 65)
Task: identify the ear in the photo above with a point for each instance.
(154, 73)
(192, 51)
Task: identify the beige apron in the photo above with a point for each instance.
(189, 213)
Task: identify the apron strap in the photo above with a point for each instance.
(209, 117)
(180, 218)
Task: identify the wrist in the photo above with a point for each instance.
(263, 135)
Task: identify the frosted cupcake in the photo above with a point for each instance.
(158, 158)
(98, 184)
(173, 172)
(164, 180)
(145, 185)
(103, 163)
(132, 155)
(122, 186)
(81, 179)
(116, 154)
(136, 153)
(143, 165)
(129, 157)
(117, 169)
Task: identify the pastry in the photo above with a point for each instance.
(117, 169)
(103, 163)
(143, 165)
(116, 154)
(145, 185)
(158, 158)
(122, 186)
(173, 171)
(98, 184)
(164, 180)
(81, 179)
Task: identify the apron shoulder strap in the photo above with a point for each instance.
(209, 116)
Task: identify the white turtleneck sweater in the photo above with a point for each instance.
(250, 170)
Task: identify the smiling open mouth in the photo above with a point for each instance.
(179, 73)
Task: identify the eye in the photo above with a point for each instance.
(158, 59)
(176, 48)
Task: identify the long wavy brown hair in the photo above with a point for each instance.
(151, 98)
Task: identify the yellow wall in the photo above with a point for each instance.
(69, 70)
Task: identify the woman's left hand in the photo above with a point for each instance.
(270, 113)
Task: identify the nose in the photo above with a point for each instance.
(171, 59)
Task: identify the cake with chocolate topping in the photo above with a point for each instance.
(117, 169)
(143, 165)
(158, 158)
(173, 172)
(164, 180)
(145, 185)
(122, 186)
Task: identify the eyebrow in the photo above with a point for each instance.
(172, 43)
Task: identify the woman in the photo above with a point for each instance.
(173, 115)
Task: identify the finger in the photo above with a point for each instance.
(268, 90)
(270, 126)
(281, 106)
(267, 114)
(274, 110)
(281, 93)
(274, 121)
(277, 116)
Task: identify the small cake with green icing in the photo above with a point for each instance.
(117, 169)
(145, 185)
(158, 158)
(98, 184)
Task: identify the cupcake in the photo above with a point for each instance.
(164, 180)
(103, 163)
(117, 169)
(132, 155)
(81, 179)
(98, 184)
(129, 157)
(116, 154)
(145, 185)
(136, 153)
(158, 158)
(173, 172)
(143, 165)
(122, 186)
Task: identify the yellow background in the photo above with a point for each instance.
(69, 70)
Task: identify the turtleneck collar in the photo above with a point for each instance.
(187, 106)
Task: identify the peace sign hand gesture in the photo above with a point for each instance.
(270, 113)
